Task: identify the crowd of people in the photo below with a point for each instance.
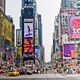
(67, 70)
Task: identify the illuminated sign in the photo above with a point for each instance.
(18, 37)
(28, 48)
(28, 1)
(36, 53)
(36, 37)
(68, 48)
(28, 41)
(28, 29)
(78, 51)
(28, 13)
(74, 27)
(19, 50)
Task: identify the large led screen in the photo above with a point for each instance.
(28, 41)
(36, 38)
(28, 29)
(78, 51)
(74, 27)
(67, 49)
(28, 48)
(18, 37)
(36, 53)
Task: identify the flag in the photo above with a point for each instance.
(56, 56)
(73, 54)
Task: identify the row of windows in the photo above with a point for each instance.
(5, 33)
(78, 4)
(78, 9)
(5, 23)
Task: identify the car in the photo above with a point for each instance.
(14, 73)
(2, 71)
(22, 71)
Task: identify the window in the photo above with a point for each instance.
(78, 4)
(0, 3)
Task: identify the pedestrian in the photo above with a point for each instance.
(43, 70)
(46, 70)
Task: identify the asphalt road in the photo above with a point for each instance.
(41, 77)
(35, 79)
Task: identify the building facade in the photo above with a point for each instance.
(28, 38)
(68, 10)
(2, 5)
(6, 38)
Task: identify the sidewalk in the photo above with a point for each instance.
(72, 75)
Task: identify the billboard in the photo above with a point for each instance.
(28, 12)
(28, 45)
(28, 2)
(78, 50)
(67, 48)
(74, 27)
(36, 37)
(28, 29)
(28, 48)
(36, 53)
(18, 37)
(28, 41)
(19, 51)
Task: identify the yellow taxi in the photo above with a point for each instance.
(14, 73)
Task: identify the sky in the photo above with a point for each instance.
(48, 10)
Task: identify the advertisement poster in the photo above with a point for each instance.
(28, 41)
(28, 29)
(78, 51)
(36, 37)
(18, 37)
(74, 27)
(19, 50)
(36, 53)
(67, 49)
(28, 48)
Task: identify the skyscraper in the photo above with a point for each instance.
(67, 3)
(78, 6)
(27, 24)
(40, 29)
(2, 5)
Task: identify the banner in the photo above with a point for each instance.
(28, 29)
(19, 51)
(67, 48)
(18, 37)
(74, 27)
(78, 51)
(36, 37)
(36, 53)
(56, 56)
(28, 48)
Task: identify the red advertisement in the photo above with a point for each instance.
(28, 48)
(28, 41)
(74, 27)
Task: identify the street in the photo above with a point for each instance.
(42, 77)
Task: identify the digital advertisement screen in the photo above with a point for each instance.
(28, 48)
(28, 41)
(78, 50)
(28, 29)
(74, 27)
(18, 37)
(28, 13)
(36, 38)
(67, 49)
(36, 53)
